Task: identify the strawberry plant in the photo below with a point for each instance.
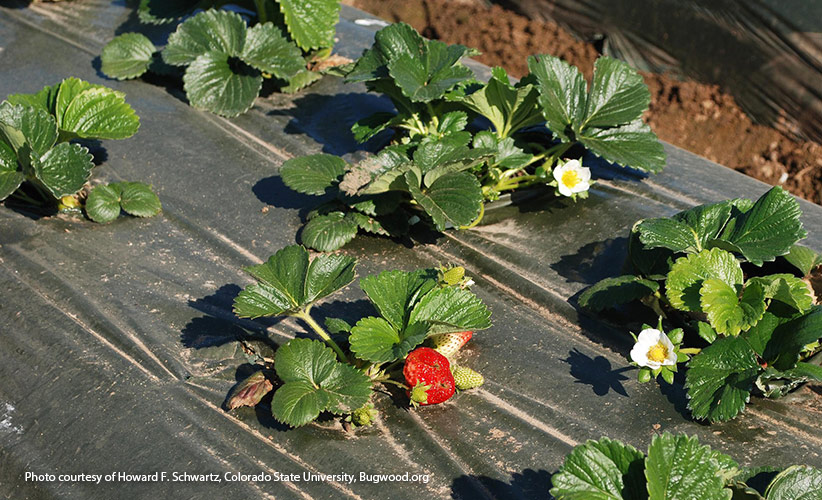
(675, 467)
(41, 161)
(225, 61)
(340, 372)
(731, 278)
(442, 169)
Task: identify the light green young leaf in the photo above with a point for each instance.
(300, 80)
(727, 312)
(786, 288)
(64, 169)
(45, 99)
(679, 468)
(314, 381)
(454, 198)
(313, 174)
(288, 282)
(790, 338)
(630, 145)
(92, 111)
(601, 470)
(127, 56)
(103, 203)
(804, 259)
(720, 379)
(396, 293)
(612, 292)
(688, 273)
(562, 94)
(798, 482)
(451, 310)
(10, 174)
(376, 340)
(329, 232)
(618, 95)
(268, 50)
(209, 31)
(769, 229)
(311, 24)
(506, 107)
(224, 87)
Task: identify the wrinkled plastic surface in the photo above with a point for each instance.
(766, 53)
(118, 344)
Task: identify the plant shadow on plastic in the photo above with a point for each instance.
(529, 484)
(596, 372)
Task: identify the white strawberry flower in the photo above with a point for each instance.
(653, 349)
(572, 178)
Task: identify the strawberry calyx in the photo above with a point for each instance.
(419, 394)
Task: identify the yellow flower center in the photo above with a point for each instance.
(570, 178)
(658, 353)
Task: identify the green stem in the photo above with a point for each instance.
(28, 199)
(262, 15)
(306, 316)
(398, 384)
(477, 220)
(691, 350)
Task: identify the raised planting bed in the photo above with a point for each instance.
(119, 344)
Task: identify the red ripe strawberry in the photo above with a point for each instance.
(428, 374)
(448, 344)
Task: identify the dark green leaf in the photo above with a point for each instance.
(337, 326)
(313, 174)
(300, 80)
(688, 273)
(452, 122)
(139, 200)
(376, 340)
(210, 31)
(804, 259)
(631, 145)
(769, 229)
(601, 470)
(727, 312)
(562, 94)
(103, 204)
(798, 482)
(165, 11)
(451, 310)
(618, 95)
(720, 379)
(396, 293)
(45, 99)
(612, 292)
(222, 86)
(679, 468)
(760, 334)
(507, 108)
(27, 128)
(10, 175)
(127, 56)
(689, 231)
(64, 169)
(787, 289)
(268, 50)
(329, 232)
(775, 384)
(372, 125)
(391, 42)
(454, 198)
(789, 339)
(432, 73)
(311, 24)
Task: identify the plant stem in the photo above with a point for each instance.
(478, 219)
(691, 350)
(262, 15)
(398, 384)
(306, 316)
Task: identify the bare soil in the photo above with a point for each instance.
(694, 116)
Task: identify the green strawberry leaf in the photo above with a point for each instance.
(166, 11)
(506, 107)
(313, 174)
(618, 95)
(630, 145)
(288, 282)
(27, 130)
(396, 293)
(451, 309)
(612, 292)
(688, 274)
(787, 289)
(760, 334)
(727, 312)
(210, 31)
(790, 338)
(300, 80)
(314, 381)
(720, 379)
(390, 43)
(601, 470)
(452, 122)
(45, 99)
(562, 94)
(92, 111)
(689, 231)
(678, 468)
(268, 50)
(454, 198)
(103, 203)
(376, 340)
(775, 384)
(311, 24)
(137, 199)
(431, 73)
(127, 56)
(798, 482)
(64, 169)
(226, 86)
(329, 232)
(769, 229)
(10, 174)
(804, 259)
(368, 127)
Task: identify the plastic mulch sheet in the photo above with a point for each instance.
(118, 344)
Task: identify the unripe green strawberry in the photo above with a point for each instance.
(363, 416)
(448, 344)
(466, 378)
(452, 276)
